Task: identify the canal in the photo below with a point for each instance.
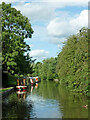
(46, 100)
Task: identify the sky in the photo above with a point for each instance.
(53, 21)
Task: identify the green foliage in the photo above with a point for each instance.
(37, 69)
(72, 63)
(5, 89)
(9, 80)
(46, 69)
(15, 28)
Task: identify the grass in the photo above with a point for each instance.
(5, 89)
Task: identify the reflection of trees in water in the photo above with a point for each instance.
(15, 108)
(47, 90)
(70, 103)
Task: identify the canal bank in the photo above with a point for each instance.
(4, 92)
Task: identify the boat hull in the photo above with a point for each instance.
(21, 88)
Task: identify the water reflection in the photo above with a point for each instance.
(36, 86)
(15, 108)
(45, 100)
(70, 103)
(43, 108)
(31, 88)
(21, 95)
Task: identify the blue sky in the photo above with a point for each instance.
(53, 22)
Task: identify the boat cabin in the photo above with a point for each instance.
(21, 84)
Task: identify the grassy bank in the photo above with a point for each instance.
(5, 89)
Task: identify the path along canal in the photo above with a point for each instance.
(47, 100)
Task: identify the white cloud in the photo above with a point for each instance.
(63, 28)
(11, 1)
(58, 28)
(81, 20)
(64, 3)
(57, 40)
(43, 10)
(39, 54)
(36, 11)
(70, 1)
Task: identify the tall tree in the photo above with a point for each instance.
(72, 63)
(15, 28)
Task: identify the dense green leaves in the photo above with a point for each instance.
(46, 69)
(72, 64)
(15, 28)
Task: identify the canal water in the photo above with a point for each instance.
(45, 100)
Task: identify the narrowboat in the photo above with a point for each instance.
(34, 80)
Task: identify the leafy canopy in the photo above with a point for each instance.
(15, 28)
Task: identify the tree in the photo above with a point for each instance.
(37, 69)
(72, 62)
(15, 28)
(46, 69)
